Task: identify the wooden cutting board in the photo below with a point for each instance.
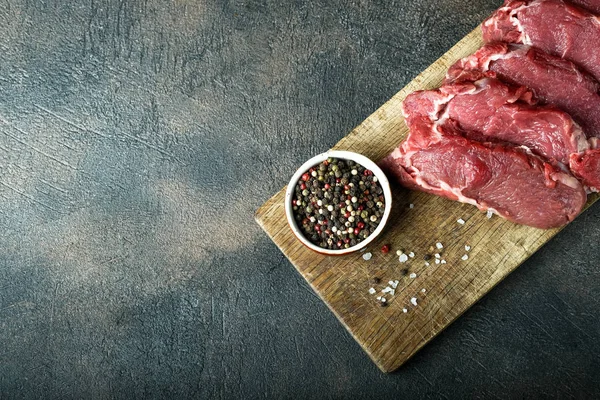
(442, 292)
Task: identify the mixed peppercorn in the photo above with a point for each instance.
(338, 203)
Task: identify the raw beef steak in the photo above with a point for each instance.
(553, 80)
(591, 5)
(489, 110)
(507, 180)
(554, 26)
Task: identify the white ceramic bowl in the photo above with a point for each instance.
(345, 155)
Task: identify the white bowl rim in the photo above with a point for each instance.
(347, 155)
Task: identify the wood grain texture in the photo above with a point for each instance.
(443, 291)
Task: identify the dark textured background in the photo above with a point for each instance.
(137, 138)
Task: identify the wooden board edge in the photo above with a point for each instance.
(377, 362)
(396, 366)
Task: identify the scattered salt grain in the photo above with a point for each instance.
(467, 248)
(403, 258)
(411, 206)
(460, 221)
(388, 290)
(404, 310)
(412, 276)
(411, 254)
(398, 252)
(393, 284)
(372, 291)
(489, 214)
(437, 261)
(439, 245)
(414, 301)
(443, 261)
(423, 290)
(427, 264)
(465, 257)
(367, 256)
(437, 255)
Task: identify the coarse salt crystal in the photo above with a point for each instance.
(398, 252)
(367, 256)
(414, 301)
(460, 221)
(372, 291)
(412, 276)
(411, 254)
(465, 257)
(437, 255)
(489, 214)
(427, 264)
(379, 298)
(437, 261)
(404, 310)
(383, 300)
(389, 290)
(411, 206)
(393, 284)
(467, 248)
(403, 258)
(439, 245)
(423, 290)
(443, 261)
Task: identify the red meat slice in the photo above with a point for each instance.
(490, 110)
(586, 166)
(509, 181)
(591, 5)
(554, 26)
(553, 80)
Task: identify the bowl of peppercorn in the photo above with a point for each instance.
(338, 202)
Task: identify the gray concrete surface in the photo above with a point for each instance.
(137, 138)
